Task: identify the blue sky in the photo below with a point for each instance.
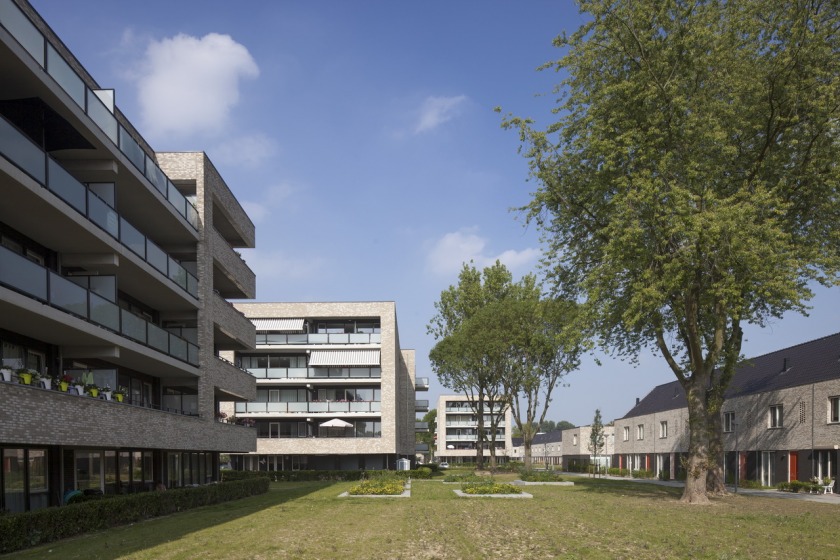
(361, 138)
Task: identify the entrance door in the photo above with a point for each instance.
(767, 468)
(794, 466)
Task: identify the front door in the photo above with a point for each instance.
(794, 466)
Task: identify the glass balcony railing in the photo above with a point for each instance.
(421, 383)
(307, 407)
(316, 373)
(29, 278)
(421, 405)
(279, 339)
(21, 151)
(25, 32)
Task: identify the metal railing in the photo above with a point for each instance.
(307, 407)
(281, 339)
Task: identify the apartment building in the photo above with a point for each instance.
(781, 419)
(457, 429)
(115, 266)
(335, 389)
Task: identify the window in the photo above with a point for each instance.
(663, 429)
(776, 416)
(574, 439)
(728, 421)
(640, 432)
(834, 409)
(626, 433)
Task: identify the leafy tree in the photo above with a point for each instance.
(690, 184)
(428, 437)
(564, 425)
(596, 437)
(461, 357)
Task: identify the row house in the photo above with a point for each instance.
(780, 417)
(335, 390)
(116, 263)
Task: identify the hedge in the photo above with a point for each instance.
(33, 528)
(323, 476)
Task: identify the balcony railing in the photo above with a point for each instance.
(302, 339)
(36, 281)
(307, 407)
(421, 406)
(421, 426)
(472, 424)
(316, 373)
(467, 410)
(25, 32)
(21, 151)
(421, 384)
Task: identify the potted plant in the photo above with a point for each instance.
(92, 390)
(46, 381)
(119, 393)
(221, 416)
(106, 392)
(27, 376)
(64, 382)
(6, 372)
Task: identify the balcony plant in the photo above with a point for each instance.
(119, 393)
(6, 372)
(106, 392)
(221, 416)
(92, 389)
(27, 376)
(64, 382)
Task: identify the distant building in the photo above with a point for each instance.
(335, 390)
(457, 430)
(115, 266)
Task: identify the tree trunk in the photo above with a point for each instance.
(696, 467)
(526, 455)
(479, 440)
(715, 484)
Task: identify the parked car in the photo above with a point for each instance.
(443, 465)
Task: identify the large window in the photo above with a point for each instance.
(728, 421)
(663, 429)
(640, 432)
(776, 416)
(626, 433)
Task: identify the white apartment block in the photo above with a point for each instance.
(335, 390)
(457, 430)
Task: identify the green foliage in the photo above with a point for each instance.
(597, 439)
(22, 530)
(642, 473)
(489, 487)
(615, 471)
(464, 477)
(540, 476)
(383, 484)
(751, 484)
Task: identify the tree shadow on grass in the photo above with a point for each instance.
(118, 542)
(646, 489)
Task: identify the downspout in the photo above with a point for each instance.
(813, 453)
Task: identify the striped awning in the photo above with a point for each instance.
(341, 358)
(279, 325)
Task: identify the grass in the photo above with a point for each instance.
(596, 518)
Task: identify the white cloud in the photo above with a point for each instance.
(189, 84)
(272, 198)
(450, 252)
(246, 151)
(437, 110)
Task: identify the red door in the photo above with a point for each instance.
(794, 466)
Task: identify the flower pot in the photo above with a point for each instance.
(47, 383)
(94, 392)
(80, 389)
(63, 386)
(119, 397)
(7, 374)
(25, 378)
(107, 395)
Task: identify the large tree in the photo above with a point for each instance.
(690, 185)
(462, 358)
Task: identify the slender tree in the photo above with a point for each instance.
(596, 438)
(690, 185)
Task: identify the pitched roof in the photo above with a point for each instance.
(548, 437)
(803, 364)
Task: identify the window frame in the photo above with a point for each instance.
(776, 416)
(728, 422)
(626, 433)
(640, 432)
(834, 409)
(663, 429)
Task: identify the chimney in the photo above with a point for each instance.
(786, 366)
(637, 400)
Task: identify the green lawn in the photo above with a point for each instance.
(593, 519)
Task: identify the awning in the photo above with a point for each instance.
(340, 358)
(279, 325)
(336, 423)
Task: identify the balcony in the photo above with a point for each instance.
(26, 155)
(98, 106)
(304, 339)
(421, 406)
(44, 285)
(421, 447)
(231, 329)
(316, 373)
(421, 384)
(421, 426)
(312, 407)
(232, 278)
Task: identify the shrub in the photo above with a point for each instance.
(22, 530)
(379, 486)
(465, 477)
(617, 472)
(642, 473)
(540, 476)
(489, 487)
